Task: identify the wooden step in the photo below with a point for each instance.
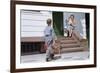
(74, 49)
(70, 45)
(66, 38)
(68, 41)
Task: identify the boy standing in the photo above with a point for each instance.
(49, 40)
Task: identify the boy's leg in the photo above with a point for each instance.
(51, 53)
(48, 54)
(67, 33)
(52, 56)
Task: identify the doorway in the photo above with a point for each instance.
(58, 23)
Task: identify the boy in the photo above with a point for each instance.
(49, 40)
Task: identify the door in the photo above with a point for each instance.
(58, 23)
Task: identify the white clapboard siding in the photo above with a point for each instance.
(31, 28)
(32, 34)
(38, 17)
(33, 23)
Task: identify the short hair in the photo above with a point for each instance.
(72, 15)
(49, 21)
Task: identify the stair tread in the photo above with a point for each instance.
(68, 41)
(72, 49)
(70, 45)
(65, 38)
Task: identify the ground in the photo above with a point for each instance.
(64, 57)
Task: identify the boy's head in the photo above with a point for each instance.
(72, 16)
(49, 22)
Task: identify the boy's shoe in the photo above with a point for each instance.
(52, 56)
(47, 59)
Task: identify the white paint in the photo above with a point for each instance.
(33, 23)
